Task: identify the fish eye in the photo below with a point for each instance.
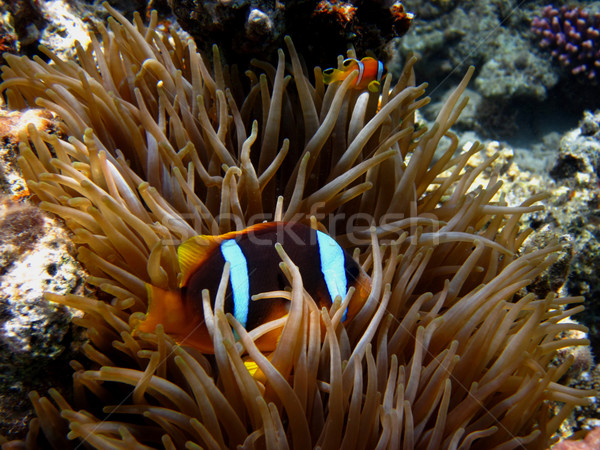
(348, 62)
(328, 71)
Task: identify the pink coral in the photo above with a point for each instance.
(591, 442)
(572, 34)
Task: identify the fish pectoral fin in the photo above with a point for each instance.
(251, 366)
(374, 86)
(254, 370)
(164, 307)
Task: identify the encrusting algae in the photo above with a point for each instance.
(449, 350)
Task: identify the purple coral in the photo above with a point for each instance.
(573, 36)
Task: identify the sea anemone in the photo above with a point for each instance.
(449, 351)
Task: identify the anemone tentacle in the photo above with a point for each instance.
(160, 145)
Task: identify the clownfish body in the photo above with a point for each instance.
(370, 73)
(326, 270)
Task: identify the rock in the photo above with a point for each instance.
(590, 442)
(516, 71)
(37, 337)
(11, 124)
(321, 30)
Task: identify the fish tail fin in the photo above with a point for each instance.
(374, 86)
(164, 307)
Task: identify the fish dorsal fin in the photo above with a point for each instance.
(193, 252)
(256, 228)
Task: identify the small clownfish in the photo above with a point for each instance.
(326, 270)
(370, 73)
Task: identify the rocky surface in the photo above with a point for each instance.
(37, 337)
(13, 123)
(53, 23)
(494, 36)
(321, 29)
(575, 209)
(521, 87)
(567, 170)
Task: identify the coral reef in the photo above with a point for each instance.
(244, 29)
(450, 350)
(590, 442)
(566, 202)
(575, 206)
(26, 21)
(7, 40)
(491, 35)
(431, 9)
(572, 34)
(57, 24)
(37, 338)
(585, 374)
(515, 72)
(13, 124)
(572, 214)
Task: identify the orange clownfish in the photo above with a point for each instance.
(327, 271)
(370, 73)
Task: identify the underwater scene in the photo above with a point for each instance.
(295, 224)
